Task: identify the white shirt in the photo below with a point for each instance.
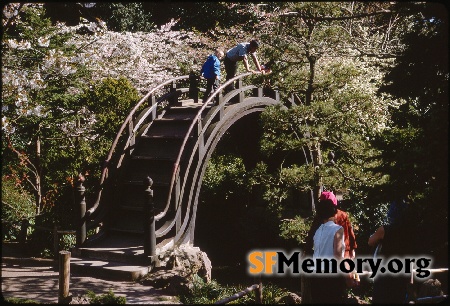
(324, 240)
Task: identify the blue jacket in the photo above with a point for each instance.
(211, 68)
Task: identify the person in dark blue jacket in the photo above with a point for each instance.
(211, 72)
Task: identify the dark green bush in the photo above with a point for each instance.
(17, 204)
(107, 298)
(209, 293)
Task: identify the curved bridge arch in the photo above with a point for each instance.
(232, 115)
(169, 137)
(209, 130)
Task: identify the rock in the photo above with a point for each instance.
(79, 300)
(290, 298)
(177, 267)
(205, 269)
(431, 287)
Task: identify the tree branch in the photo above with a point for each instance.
(329, 18)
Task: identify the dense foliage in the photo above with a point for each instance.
(415, 147)
(43, 79)
(134, 17)
(106, 298)
(369, 81)
(17, 205)
(209, 293)
(334, 58)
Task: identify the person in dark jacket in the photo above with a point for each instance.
(211, 72)
(393, 239)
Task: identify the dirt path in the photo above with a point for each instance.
(38, 280)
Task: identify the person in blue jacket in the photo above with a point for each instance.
(211, 72)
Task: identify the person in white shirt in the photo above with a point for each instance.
(328, 244)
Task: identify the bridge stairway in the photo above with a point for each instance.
(151, 142)
(120, 252)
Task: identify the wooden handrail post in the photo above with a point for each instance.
(64, 276)
(241, 94)
(173, 89)
(23, 232)
(193, 86)
(259, 292)
(55, 242)
(81, 228)
(149, 220)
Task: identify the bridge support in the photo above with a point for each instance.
(81, 228)
(149, 220)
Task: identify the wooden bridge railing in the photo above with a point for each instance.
(198, 128)
(128, 123)
(131, 125)
(56, 233)
(195, 127)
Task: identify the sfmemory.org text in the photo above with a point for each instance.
(278, 263)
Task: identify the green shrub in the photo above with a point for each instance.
(296, 228)
(111, 100)
(209, 293)
(14, 300)
(224, 175)
(107, 298)
(129, 17)
(17, 204)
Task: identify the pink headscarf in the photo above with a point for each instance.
(328, 195)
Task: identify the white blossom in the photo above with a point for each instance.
(12, 43)
(6, 126)
(23, 45)
(43, 41)
(74, 91)
(37, 111)
(65, 70)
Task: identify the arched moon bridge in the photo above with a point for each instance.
(151, 179)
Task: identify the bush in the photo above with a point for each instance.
(19, 301)
(224, 175)
(296, 228)
(127, 17)
(209, 293)
(111, 100)
(107, 298)
(17, 205)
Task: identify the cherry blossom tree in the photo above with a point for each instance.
(42, 79)
(46, 73)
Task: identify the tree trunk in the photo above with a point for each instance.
(317, 162)
(38, 192)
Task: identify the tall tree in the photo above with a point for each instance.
(331, 56)
(415, 148)
(43, 79)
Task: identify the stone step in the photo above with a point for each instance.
(169, 129)
(163, 148)
(108, 269)
(131, 255)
